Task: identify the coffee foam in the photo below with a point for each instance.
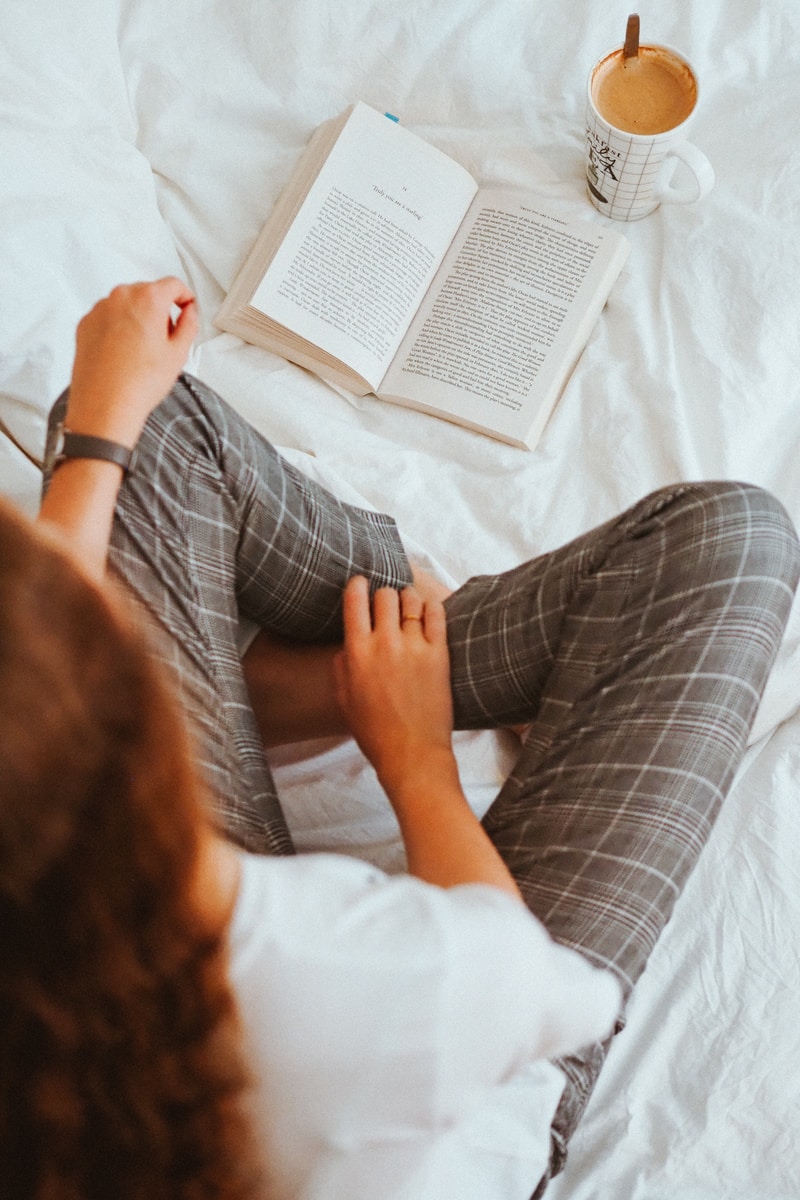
(648, 94)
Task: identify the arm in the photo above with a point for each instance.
(128, 354)
(393, 685)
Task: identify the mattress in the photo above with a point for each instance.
(139, 139)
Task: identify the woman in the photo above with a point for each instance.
(392, 1026)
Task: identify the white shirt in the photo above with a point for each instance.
(398, 1031)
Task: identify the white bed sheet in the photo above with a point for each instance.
(138, 139)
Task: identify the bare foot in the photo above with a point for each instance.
(292, 690)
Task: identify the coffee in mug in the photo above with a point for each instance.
(650, 92)
(637, 113)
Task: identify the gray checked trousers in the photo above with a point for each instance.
(638, 652)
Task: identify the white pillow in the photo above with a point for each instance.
(78, 208)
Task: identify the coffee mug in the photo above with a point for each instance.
(638, 110)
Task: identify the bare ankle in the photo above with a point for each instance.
(292, 690)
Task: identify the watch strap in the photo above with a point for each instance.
(83, 445)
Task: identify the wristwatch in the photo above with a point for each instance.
(83, 445)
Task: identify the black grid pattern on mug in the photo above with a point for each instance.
(622, 170)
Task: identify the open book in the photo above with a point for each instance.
(386, 269)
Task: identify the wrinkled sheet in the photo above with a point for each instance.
(139, 139)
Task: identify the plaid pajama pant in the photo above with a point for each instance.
(638, 652)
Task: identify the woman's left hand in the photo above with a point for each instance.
(393, 687)
(393, 677)
(130, 349)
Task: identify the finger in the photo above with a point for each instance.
(412, 611)
(386, 609)
(435, 626)
(173, 290)
(172, 296)
(355, 609)
(184, 326)
(411, 604)
(168, 298)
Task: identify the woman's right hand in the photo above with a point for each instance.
(130, 349)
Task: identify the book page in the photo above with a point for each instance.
(366, 242)
(500, 326)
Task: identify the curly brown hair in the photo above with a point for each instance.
(120, 1072)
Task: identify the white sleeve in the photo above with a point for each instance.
(375, 965)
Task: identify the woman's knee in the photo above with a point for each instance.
(744, 528)
(190, 407)
(194, 424)
(722, 530)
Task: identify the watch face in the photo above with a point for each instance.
(59, 449)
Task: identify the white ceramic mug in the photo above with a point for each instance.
(631, 156)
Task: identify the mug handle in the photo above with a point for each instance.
(700, 168)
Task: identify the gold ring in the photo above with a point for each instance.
(404, 619)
